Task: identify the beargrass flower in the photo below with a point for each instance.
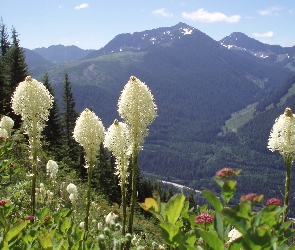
(33, 102)
(137, 107)
(72, 190)
(118, 141)
(274, 201)
(282, 136)
(89, 133)
(111, 217)
(52, 169)
(204, 218)
(6, 123)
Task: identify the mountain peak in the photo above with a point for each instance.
(139, 41)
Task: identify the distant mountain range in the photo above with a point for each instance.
(217, 100)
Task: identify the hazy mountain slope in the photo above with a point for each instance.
(33, 59)
(60, 53)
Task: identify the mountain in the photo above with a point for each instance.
(140, 41)
(60, 53)
(33, 59)
(274, 53)
(205, 94)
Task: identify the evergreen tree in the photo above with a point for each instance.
(4, 43)
(17, 71)
(104, 179)
(69, 116)
(53, 131)
(4, 39)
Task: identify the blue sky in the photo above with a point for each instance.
(91, 24)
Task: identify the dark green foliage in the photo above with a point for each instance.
(103, 178)
(53, 130)
(69, 116)
(17, 71)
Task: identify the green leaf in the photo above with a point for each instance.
(44, 213)
(173, 208)
(65, 225)
(212, 240)
(213, 200)
(185, 209)
(169, 233)
(15, 230)
(240, 223)
(245, 210)
(219, 225)
(190, 237)
(45, 241)
(228, 190)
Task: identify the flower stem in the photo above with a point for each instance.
(133, 197)
(34, 147)
(86, 221)
(288, 163)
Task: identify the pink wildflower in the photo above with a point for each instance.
(250, 197)
(30, 217)
(46, 218)
(207, 218)
(3, 202)
(225, 173)
(274, 201)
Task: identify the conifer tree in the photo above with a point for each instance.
(5, 44)
(68, 119)
(53, 131)
(17, 71)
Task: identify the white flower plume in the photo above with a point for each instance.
(137, 107)
(89, 133)
(7, 124)
(52, 168)
(33, 102)
(118, 141)
(282, 136)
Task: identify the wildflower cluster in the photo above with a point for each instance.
(44, 196)
(72, 190)
(118, 141)
(32, 101)
(89, 133)
(226, 173)
(52, 169)
(6, 125)
(274, 201)
(282, 136)
(137, 107)
(204, 218)
(251, 197)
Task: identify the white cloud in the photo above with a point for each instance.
(82, 6)
(207, 17)
(268, 34)
(270, 11)
(162, 12)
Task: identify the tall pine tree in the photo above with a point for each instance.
(53, 130)
(17, 71)
(5, 44)
(69, 116)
